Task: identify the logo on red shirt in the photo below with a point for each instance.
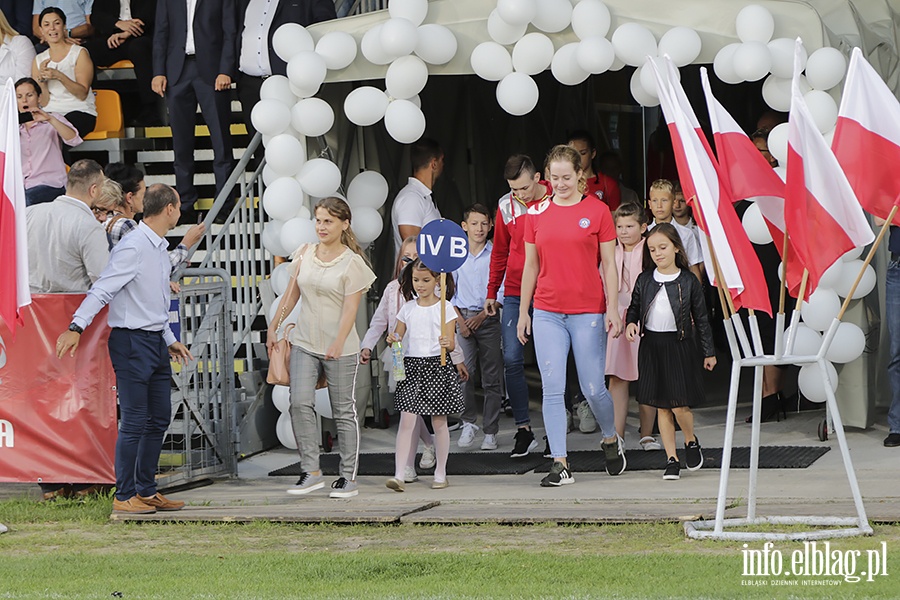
(584, 223)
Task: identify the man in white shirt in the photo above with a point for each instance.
(414, 206)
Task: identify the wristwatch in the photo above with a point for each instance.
(76, 328)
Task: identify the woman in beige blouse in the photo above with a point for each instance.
(331, 277)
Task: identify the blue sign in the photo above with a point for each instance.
(443, 246)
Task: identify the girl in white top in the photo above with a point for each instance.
(65, 72)
(429, 388)
(16, 53)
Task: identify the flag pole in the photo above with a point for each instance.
(869, 256)
(784, 261)
(795, 317)
(443, 315)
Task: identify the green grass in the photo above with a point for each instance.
(71, 550)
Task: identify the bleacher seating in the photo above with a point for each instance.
(110, 122)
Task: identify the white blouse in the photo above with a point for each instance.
(16, 54)
(660, 316)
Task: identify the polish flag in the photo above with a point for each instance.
(748, 176)
(867, 138)
(14, 292)
(699, 177)
(823, 217)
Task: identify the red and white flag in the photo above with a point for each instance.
(699, 177)
(748, 176)
(867, 138)
(823, 217)
(14, 292)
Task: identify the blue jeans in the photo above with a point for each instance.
(554, 333)
(514, 360)
(42, 193)
(892, 315)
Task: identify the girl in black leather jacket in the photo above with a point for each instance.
(667, 302)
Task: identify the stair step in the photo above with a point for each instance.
(168, 156)
(199, 131)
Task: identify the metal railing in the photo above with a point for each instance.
(349, 8)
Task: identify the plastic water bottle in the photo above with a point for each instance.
(397, 357)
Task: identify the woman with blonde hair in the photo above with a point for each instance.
(16, 52)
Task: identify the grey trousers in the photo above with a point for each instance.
(483, 346)
(341, 376)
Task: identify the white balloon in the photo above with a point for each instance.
(270, 117)
(296, 232)
(682, 44)
(412, 10)
(269, 174)
(634, 43)
(372, 49)
(755, 24)
(823, 306)
(415, 100)
(752, 61)
(782, 51)
(491, 61)
(436, 44)
(291, 39)
(852, 254)
(284, 429)
(811, 383)
(755, 226)
(565, 67)
(595, 54)
(277, 87)
(823, 109)
(281, 394)
(532, 54)
(829, 137)
(398, 37)
(590, 18)
(617, 65)
(312, 117)
(303, 213)
(517, 94)
(778, 143)
(281, 277)
(369, 188)
(502, 32)
(404, 121)
(406, 77)
(648, 78)
(517, 12)
(723, 64)
(553, 15)
(286, 154)
(301, 92)
(307, 71)
(337, 48)
(832, 276)
(825, 68)
(283, 198)
(271, 238)
(849, 272)
(367, 224)
(365, 105)
(848, 344)
(777, 93)
(323, 404)
(807, 342)
(320, 177)
(641, 95)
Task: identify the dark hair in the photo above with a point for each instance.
(479, 208)
(34, 84)
(83, 174)
(583, 136)
(760, 134)
(422, 152)
(127, 176)
(406, 280)
(157, 198)
(52, 10)
(339, 209)
(669, 231)
(676, 188)
(518, 165)
(630, 209)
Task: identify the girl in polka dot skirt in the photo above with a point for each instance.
(429, 388)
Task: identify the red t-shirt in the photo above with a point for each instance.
(568, 242)
(606, 188)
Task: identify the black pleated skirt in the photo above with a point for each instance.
(670, 371)
(429, 388)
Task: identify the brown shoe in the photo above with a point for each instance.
(132, 506)
(63, 492)
(160, 502)
(94, 490)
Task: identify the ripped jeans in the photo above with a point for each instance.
(554, 333)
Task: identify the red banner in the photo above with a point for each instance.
(57, 417)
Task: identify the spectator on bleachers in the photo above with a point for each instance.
(124, 31)
(77, 14)
(65, 72)
(16, 52)
(40, 138)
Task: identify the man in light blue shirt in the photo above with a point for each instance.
(135, 284)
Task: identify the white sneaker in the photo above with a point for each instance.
(467, 437)
(648, 442)
(490, 442)
(410, 475)
(428, 459)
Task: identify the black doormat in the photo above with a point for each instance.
(459, 463)
(770, 457)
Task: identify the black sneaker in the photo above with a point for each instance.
(547, 453)
(615, 456)
(506, 407)
(892, 440)
(559, 475)
(673, 469)
(693, 455)
(525, 443)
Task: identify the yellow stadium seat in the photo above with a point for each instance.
(110, 122)
(122, 64)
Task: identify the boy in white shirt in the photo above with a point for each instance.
(662, 202)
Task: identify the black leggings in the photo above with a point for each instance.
(82, 121)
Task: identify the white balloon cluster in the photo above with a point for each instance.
(284, 428)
